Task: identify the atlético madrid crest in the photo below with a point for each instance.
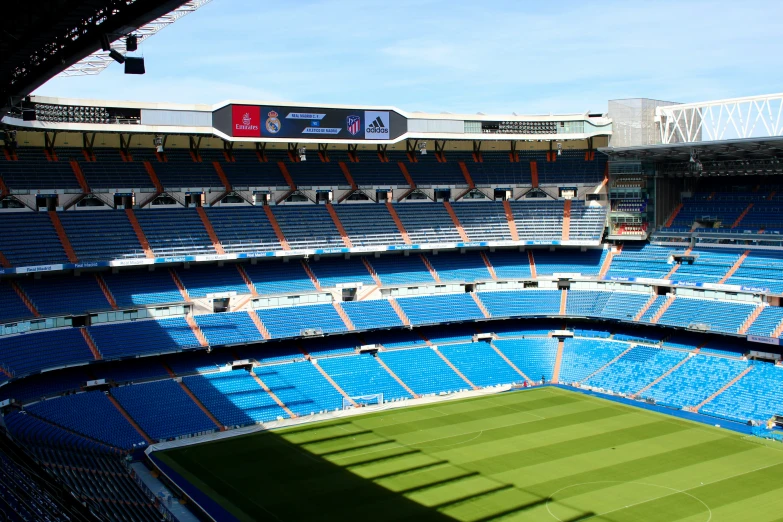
(354, 125)
(272, 123)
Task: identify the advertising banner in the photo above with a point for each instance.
(248, 121)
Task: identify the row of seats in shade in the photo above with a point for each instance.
(164, 410)
(66, 294)
(739, 210)
(672, 377)
(760, 269)
(23, 498)
(62, 347)
(90, 468)
(179, 171)
(102, 235)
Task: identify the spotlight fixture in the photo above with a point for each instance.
(423, 148)
(302, 153)
(158, 144)
(132, 43)
(117, 56)
(559, 149)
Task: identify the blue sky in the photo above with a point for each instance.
(455, 56)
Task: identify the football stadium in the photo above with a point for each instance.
(262, 310)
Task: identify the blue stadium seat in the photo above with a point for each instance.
(138, 288)
(373, 313)
(430, 309)
(201, 280)
(175, 417)
(234, 398)
(301, 387)
(423, 371)
(228, 328)
(290, 321)
(480, 364)
(243, 229)
(361, 375)
(143, 337)
(104, 422)
(534, 357)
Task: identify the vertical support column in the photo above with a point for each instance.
(566, 220)
(210, 231)
(222, 175)
(246, 279)
(431, 269)
(399, 224)
(139, 233)
(179, 285)
(66, 243)
(106, 292)
(480, 305)
(24, 297)
(338, 225)
(347, 174)
(400, 313)
(278, 231)
(665, 306)
(372, 271)
(607, 264)
(196, 331)
(558, 362)
(311, 275)
(466, 174)
(259, 325)
(153, 176)
(532, 262)
(455, 220)
(77, 171)
(490, 268)
(96, 354)
(341, 312)
(534, 173)
(512, 224)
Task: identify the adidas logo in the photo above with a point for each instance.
(377, 127)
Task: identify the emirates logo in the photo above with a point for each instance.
(246, 123)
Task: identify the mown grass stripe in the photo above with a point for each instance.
(472, 415)
(526, 457)
(641, 468)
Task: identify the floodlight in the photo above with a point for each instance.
(423, 148)
(117, 56)
(302, 153)
(131, 43)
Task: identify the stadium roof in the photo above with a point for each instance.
(42, 38)
(728, 150)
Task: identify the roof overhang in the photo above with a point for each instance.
(727, 150)
(42, 38)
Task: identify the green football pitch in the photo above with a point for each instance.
(536, 455)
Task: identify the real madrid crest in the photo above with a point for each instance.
(272, 123)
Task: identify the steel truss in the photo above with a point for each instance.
(100, 60)
(736, 118)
